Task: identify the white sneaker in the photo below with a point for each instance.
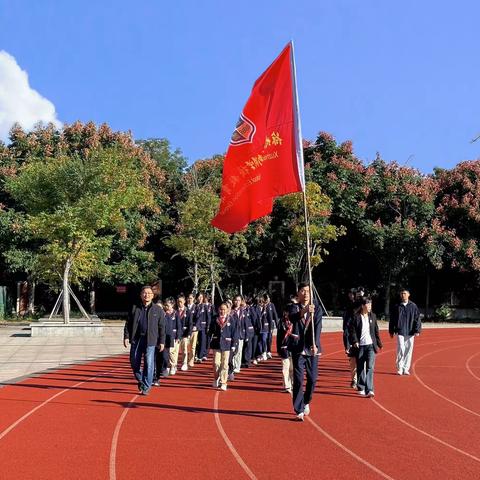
(399, 372)
(237, 370)
(255, 362)
(223, 387)
(184, 367)
(264, 357)
(173, 371)
(269, 355)
(371, 394)
(361, 392)
(299, 417)
(406, 372)
(306, 409)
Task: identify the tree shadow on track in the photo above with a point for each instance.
(268, 415)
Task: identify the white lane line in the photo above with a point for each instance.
(350, 452)
(53, 397)
(435, 391)
(467, 364)
(229, 444)
(423, 432)
(116, 434)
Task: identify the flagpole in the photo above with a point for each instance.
(301, 171)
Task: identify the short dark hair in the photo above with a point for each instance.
(404, 289)
(145, 288)
(365, 300)
(303, 285)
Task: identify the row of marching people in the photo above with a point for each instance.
(192, 327)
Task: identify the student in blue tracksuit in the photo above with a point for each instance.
(186, 330)
(284, 331)
(192, 346)
(238, 316)
(305, 348)
(249, 344)
(202, 321)
(172, 333)
(272, 317)
(265, 327)
(223, 336)
(257, 339)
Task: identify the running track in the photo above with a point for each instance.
(87, 421)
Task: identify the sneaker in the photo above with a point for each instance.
(184, 367)
(255, 362)
(371, 394)
(204, 359)
(269, 355)
(361, 392)
(144, 392)
(165, 372)
(173, 371)
(237, 370)
(215, 384)
(306, 409)
(223, 387)
(156, 383)
(406, 372)
(264, 357)
(288, 390)
(259, 359)
(399, 372)
(299, 417)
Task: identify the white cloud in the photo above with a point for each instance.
(18, 101)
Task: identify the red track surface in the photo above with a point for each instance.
(88, 422)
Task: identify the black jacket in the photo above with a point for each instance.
(155, 325)
(355, 330)
(301, 338)
(405, 320)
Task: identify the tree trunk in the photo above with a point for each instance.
(92, 298)
(195, 277)
(31, 297)
(241, 286)
(427, 297)
(387, 295)
(66, 293)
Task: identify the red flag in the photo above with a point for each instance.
(261, 161)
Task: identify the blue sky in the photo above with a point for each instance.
(398, 77)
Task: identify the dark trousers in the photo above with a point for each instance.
(202, 344)
(303, 364)
(269, 342)
(262, 343)
(365, 366)
(248, 351)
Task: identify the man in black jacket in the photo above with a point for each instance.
(364, 336)
(405, 323)
(145, 331)
(305, 348)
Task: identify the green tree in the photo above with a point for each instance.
(74, 205)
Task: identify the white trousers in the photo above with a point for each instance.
(404, 352)
(237, 358)
(287, 372)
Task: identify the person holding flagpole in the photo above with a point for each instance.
(304, 344)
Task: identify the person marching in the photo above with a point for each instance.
(191, 319)
(172, 332)
(186, 331)
(365, 338)
(238, 315)
(145, 331)
(405, 323)
(264, 324)
(284, 331)
(202, 321)
(305, 349)
(272, 318)
(249, 344)
(223, 335)
(350, 309)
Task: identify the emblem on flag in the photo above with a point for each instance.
(244, 131)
